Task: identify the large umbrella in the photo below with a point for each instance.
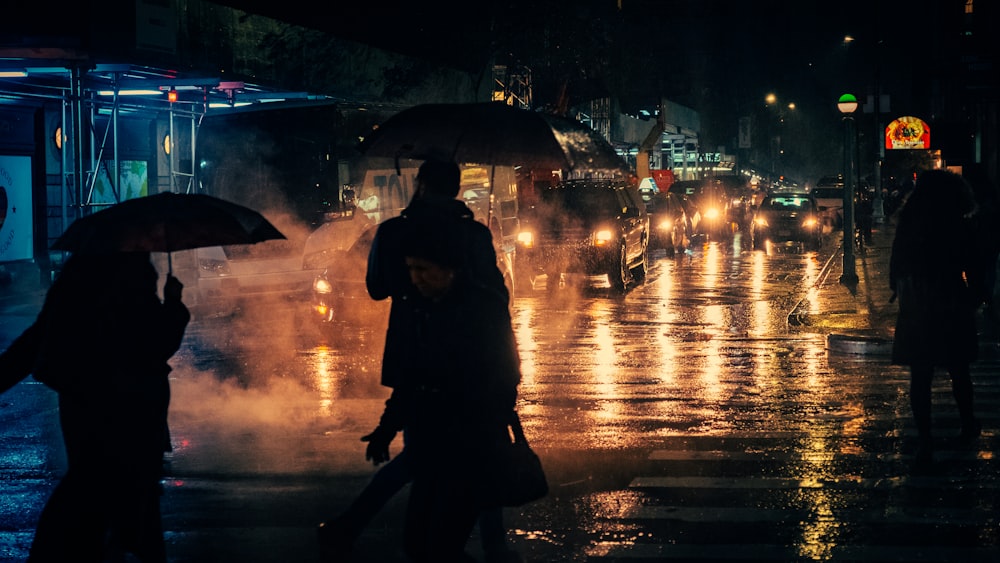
(492, 133)
(166, 222)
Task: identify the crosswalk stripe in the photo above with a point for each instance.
(768, 552)
(721, 514)
(838, 483)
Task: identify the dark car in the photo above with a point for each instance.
(591, 227)
(710, 202)
(669, 227)
(787, 217)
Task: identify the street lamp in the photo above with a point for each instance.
(848, 104)
(775, 129)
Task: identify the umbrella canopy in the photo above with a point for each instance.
(166, 222)
(492, 133)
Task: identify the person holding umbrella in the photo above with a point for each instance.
(102, 341)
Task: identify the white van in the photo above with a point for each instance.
(336, 251)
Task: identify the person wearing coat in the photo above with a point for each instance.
(433, 209)
(102, 341)
(434, 202)
(932, 253)
(455, 403)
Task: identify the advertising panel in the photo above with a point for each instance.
(133, 182)
(907, 132)
(16, 224)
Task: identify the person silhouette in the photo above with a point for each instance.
(983, 278)
(434, 204)
(102, 341)
(454, 405)
(936, 325)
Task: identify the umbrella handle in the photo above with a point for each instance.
(170, 264)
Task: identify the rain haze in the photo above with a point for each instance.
(697, 409)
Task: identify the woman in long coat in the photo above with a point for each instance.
(932, 253)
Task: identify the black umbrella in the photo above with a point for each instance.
(166, 222)
(492, 133)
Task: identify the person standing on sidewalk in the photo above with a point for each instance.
(936, 324)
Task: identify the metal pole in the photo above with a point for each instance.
(850, 274)
(878, 215)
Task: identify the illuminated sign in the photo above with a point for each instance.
(907, 133)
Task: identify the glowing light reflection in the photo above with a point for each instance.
(526, 344)
(326, 378)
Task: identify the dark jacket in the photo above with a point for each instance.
(932, 252)
(102, 341)
(387, 275)
(463, 372)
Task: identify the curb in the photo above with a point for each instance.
(859, 344)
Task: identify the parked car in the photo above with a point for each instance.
(709, 200)
(669, 227)
(222, 281)
(829, 194)
(787, 217)
(338, 252)
(591, 227)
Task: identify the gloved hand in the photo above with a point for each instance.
(172, 288)
(378, 444)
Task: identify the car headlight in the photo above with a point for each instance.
(810, 223)
(526, 239)
(665, 225)
(603, 237)
(322, 285)
(711, 213)
(760, 221)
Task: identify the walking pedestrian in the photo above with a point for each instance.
(983, 277)
(102, 341)
(434, 205)
(455, 404)
(936, 324)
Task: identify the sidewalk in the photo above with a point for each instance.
(861, 320)
(857, 319)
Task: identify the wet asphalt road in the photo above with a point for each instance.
(683, 421)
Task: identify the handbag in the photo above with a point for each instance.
(514, 474)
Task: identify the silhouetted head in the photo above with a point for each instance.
(439, 177)
(940, 194)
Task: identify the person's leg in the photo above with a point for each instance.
(492, 533)
(151, 547)
(921, 377)
(386, 482)
(961, 388)
(493, 537)
(440, 517)
(337, 536)
(415, 525)
(71, 527)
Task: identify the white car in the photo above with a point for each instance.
(829, 194)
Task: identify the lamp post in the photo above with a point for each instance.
(848, 104)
